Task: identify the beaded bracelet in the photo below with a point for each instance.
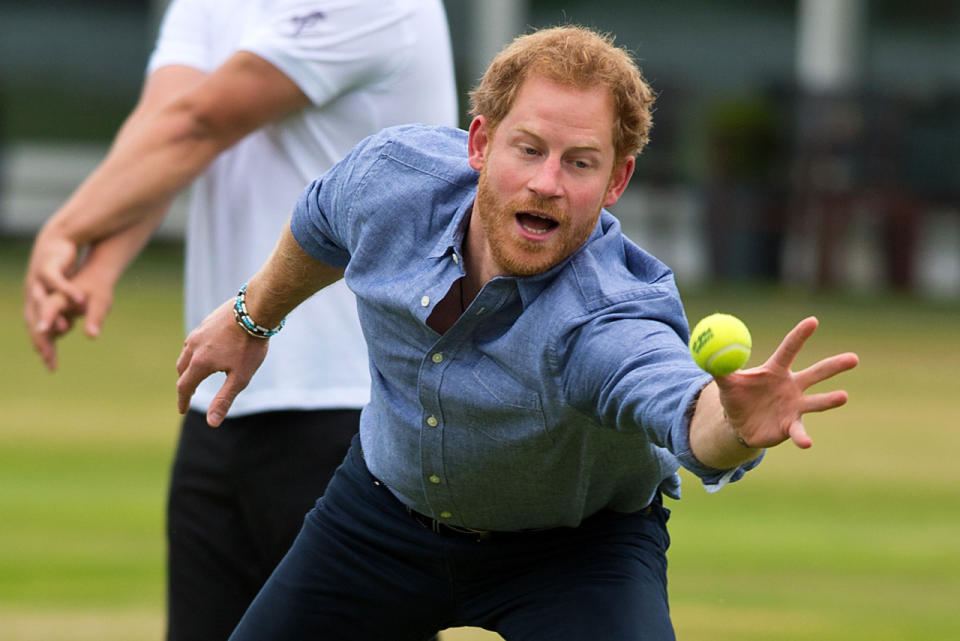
(247, 323)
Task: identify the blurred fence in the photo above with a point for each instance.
(734, 230)
(38, 177)
(832, 190)
(740, 181)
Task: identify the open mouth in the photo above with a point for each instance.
(536, 224)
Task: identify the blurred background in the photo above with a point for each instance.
(814, 142)
(805, 159)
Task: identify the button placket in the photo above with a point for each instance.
(435, 360)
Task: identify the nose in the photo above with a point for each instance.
(545, 181)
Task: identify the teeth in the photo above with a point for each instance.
(537, 230)
(534, 231)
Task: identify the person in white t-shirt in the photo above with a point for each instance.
(248, 102)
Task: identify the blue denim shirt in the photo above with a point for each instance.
(551, 398)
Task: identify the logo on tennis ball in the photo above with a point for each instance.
(720, 344)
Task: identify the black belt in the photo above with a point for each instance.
(445, 529)
(456, 531)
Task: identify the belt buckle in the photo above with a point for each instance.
(440, 528)
(479, 535)
(483, 535)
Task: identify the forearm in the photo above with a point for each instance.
(288, 278)
(151, 160)
(110, 257)
(184, 119)
(713, 440)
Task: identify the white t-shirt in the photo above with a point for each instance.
(365, 65)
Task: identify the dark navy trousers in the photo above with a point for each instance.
(363, 568)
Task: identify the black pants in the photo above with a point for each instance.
(238, 495)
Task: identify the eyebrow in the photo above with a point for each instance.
(588, 147)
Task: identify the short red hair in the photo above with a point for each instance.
(573, 56)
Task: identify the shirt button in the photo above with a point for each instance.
(437, 358)
(456, 258)
(425, 301)
(445, 515)
(432, 421)
(434, 479)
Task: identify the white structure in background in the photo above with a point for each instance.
(829, 44)
(494, 23)
(829, 61)
(667, 222)
(39, 177)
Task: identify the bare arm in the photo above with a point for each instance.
(219, 344)
(184, 120)
(49, 311)
(159, 154)
(739, 414)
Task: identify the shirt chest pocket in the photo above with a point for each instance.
(507, 410)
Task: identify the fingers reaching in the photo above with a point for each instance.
(826, 368)
(765, 405)
(798, 434)
(793, 342)
(823, 402)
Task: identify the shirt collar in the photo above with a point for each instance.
(451, 240)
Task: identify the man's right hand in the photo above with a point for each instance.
(218, 344)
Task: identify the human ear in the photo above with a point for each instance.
(477, 142)
(619, 180)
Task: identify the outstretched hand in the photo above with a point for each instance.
(765, 405)
(218, 344)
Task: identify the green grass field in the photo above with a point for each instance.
(855, 539)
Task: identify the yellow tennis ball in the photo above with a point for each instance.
(720, 344)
